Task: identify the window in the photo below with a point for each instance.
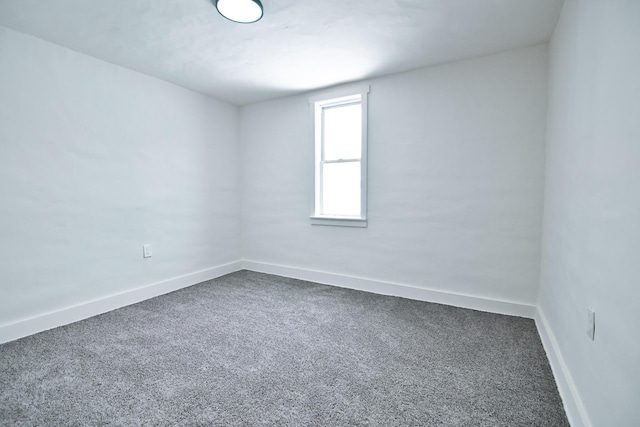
(340, 133)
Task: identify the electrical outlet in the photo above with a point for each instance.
(146, 251)
(591, 323)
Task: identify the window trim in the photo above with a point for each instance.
(330, 99)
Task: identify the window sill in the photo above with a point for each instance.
(339, 221)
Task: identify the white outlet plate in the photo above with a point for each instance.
(146, 251)
(591, 324)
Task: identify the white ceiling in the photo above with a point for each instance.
(299, 44)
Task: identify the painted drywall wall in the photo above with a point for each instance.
(456, 157)
(97, 160)
(591, 243)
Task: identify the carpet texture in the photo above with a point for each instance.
(251, 349)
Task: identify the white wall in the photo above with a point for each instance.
(591, 245)
(456, 157)
(95, 161)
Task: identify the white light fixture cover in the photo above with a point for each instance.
(243, 11)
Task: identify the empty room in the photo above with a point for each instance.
(320, 213)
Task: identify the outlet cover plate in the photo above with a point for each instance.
(591, 324)
(146, 251)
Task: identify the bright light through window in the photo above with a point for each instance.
(340, 141)
(341, 189)
(343, 132)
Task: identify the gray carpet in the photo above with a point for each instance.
(252, 349)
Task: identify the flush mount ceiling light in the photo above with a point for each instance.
(242, 11)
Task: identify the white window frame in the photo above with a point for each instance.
(318, 103)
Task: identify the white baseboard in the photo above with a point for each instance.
(395, 289)
(573, 406)
(43, 322)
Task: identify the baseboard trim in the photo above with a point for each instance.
(576, 412)
(395, 289)
(573, 406)
(65, 316)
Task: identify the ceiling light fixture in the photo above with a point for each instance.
(242, 11)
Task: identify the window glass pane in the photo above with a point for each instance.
(343, 132)
(341, 189)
